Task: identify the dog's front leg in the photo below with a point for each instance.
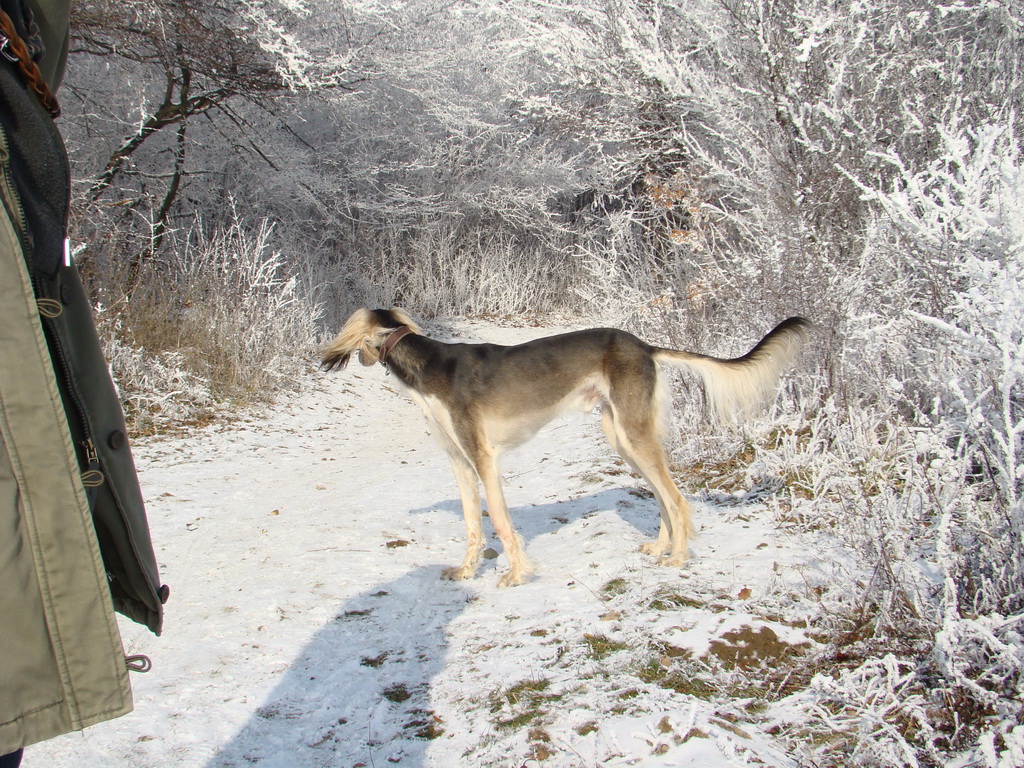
(497, 508)
(469, 489)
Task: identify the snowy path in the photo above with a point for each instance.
(308, 625)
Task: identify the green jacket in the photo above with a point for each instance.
(74, 540)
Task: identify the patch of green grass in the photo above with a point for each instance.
(526, 703)
(602, 646)
(521, 719)
(683, 675)
(614, 587)
(515, 693)
(676, 677)
(666, 600)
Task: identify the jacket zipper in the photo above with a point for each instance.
(64, 370)
(12, 200)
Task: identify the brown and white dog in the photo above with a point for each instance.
(480, 399)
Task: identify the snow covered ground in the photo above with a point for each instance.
(308, 625)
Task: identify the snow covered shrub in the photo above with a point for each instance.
(924, 480)
(157, 391)
(242, 310)
(466, 267)
(876, 714)
(224, 322)
(968, 209)
(488, 274)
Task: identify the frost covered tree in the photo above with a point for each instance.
(162, 91)
(162, 100)
(756, 122)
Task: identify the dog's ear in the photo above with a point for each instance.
(403, 319)
(387, 321)
(359, 334)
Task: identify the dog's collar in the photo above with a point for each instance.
(389, 343)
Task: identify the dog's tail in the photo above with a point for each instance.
(735, 387)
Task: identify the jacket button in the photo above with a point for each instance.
(116, 439)
(65, 294)
(163, 593)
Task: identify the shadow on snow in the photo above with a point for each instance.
(359, 692)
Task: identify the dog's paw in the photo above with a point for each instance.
(511, 579)
(673, 560)
(460, 573)
(655, 548)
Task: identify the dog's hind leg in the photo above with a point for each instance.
(635, 438)
(469, 490)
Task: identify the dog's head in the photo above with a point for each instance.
(364, 332)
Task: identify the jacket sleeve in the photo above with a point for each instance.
(36, 191)
(62, 666)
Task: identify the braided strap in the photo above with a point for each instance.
(13, 48)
